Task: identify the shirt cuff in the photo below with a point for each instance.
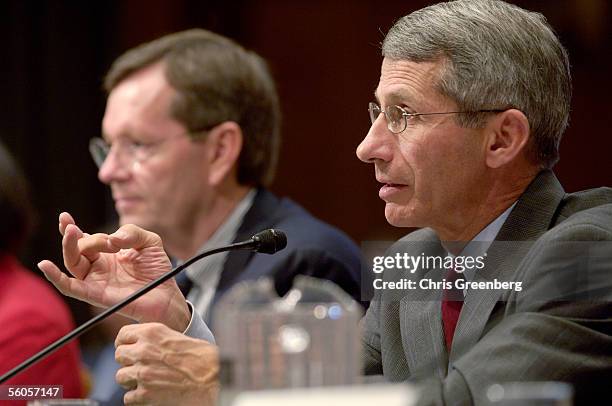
(197, 328)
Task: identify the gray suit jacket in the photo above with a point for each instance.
(558, 327)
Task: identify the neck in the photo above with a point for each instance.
(495, 197)
(186, 243)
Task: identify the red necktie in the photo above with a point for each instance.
(452, 302)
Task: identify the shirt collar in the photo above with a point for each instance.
(226, 233)
(479, 245)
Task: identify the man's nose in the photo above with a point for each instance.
(114, 168)
(376, 144)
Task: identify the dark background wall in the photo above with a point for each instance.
(325, 56)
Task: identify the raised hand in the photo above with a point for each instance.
(106, 268)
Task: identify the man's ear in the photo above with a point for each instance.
(225, 143)
(508, 134)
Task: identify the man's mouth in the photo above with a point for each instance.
(125, 203)
(389, 189)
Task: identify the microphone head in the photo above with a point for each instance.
(269, 241)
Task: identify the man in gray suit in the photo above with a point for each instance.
(472, 102)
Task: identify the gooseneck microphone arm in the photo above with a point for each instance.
(267, 241)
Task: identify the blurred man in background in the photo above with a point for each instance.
(190, 141)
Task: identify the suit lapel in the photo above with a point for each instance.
(421, 323)
(531, 217)
(422, 337)
(261, 215)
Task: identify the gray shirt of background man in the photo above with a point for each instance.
(206, 272)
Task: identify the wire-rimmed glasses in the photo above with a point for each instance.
(397, 117)
(129, 151)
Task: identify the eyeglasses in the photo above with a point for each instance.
(129, 152)
(397, 118)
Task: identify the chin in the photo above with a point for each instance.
(400, 216)
(134, 219)
(395, 222)
(125, 219)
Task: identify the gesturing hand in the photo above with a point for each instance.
(108, 268)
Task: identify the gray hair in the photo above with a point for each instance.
(495, 55)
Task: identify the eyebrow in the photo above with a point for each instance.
(129, 135)
(397, 97)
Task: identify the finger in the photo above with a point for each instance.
(131, 236)
(133, 333)
(75, 263)
(126, 354)
(67, 286)
(127, 377)
(131, 354)
(64, 219)
(142, 353)
(154, 385)
(136, 397)
(92, 245)
(128, 334)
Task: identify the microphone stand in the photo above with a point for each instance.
(245, 245)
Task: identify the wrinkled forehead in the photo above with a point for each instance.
(405, 82)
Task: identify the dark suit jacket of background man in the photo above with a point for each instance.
(503, 336)
(314, 248)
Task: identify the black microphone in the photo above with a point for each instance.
(267, 242)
